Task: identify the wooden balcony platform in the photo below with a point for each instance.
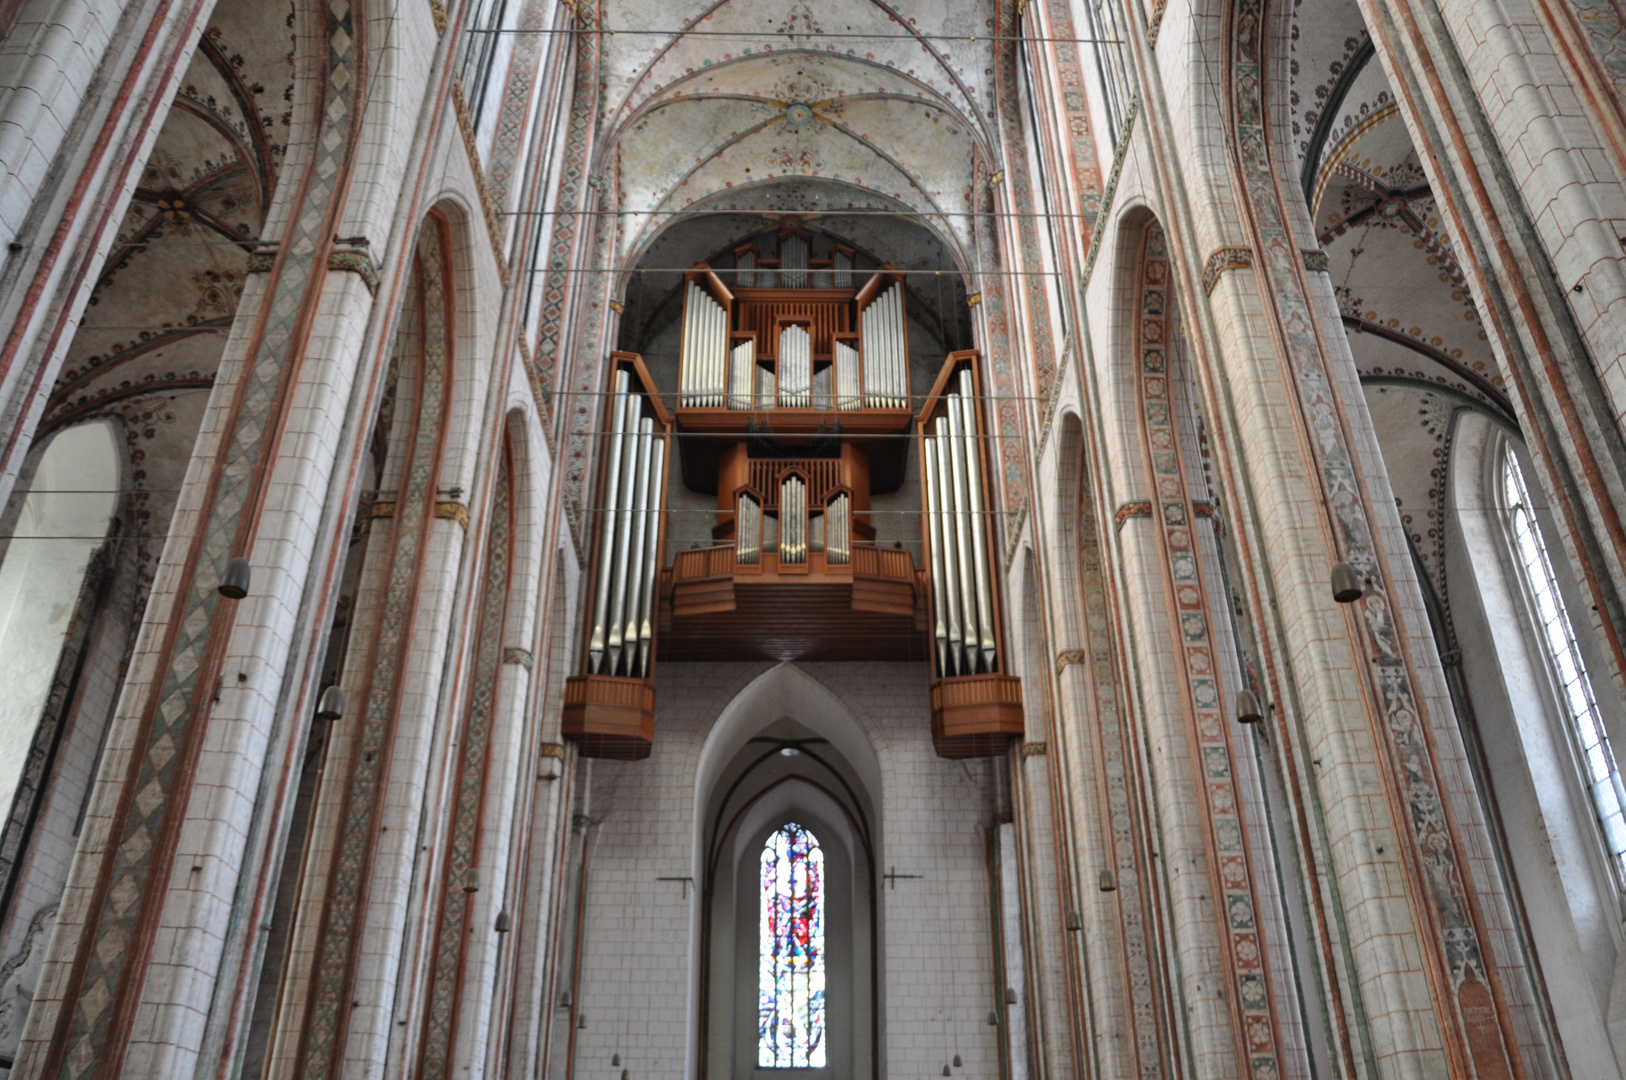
(975, 715)
(874, 608)
(610, 717)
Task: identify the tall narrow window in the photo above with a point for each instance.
(1558, 635)
(790, 987)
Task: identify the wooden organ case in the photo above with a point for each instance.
(793, 406)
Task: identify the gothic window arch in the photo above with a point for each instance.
(790, 951)
(1577, 701)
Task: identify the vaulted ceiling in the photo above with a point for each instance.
(792, 106)
(1411, 321)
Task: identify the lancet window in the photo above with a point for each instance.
(790, 987)
(1579, 703)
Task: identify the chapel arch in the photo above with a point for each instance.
(786, 750)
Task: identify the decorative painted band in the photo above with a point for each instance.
(383, 510)
(1226, 258)
(1315, 260)
(454, 511)
(1131, 510)
(522, 657)
(1035, 749)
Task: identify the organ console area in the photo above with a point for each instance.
(798, 411)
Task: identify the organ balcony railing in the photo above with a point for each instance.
(609, 708)
(976, 702)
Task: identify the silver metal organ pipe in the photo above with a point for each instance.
(838, 531)
(719, 384)
(741, 366)
(612, 481)
(965, 529)
(686, 356)
(842, 362)
(979, 532)
(866, 341)
(900, 393)
(746, 263)
(622, 509)
(652, 551)
(793, 521)
(951, 547)
(842, 265)
(889, 361)
(793, 263)
(632, 608)
(934, 535)
(711, 360)
(747, 530)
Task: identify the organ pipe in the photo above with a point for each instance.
(705, 350)
(622, 508)
(612, 482)
(838, 531)
(846, 368)
(939, 552)
(951, 548)
(746, 264)
(742, 365)
(979, 534)
(793, 263)
(623, 605)
(962, 585)
(822, 383)
(886, 361)
(651, 557)
(632, 609)
(747, 530)
(795, 367)
(793, 521)
(842, 264)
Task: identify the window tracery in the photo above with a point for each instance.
(1579, 703)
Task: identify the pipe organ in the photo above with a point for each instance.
(795, 407)
(609, 708)
(976, 702)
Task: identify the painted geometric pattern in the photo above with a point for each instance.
(463, 856)
(174, 737)
(1076, 109)
(558, 279)
(1122, 812)
(392, 643)
(1227, 851)
(1016, 165)
(1437, 860)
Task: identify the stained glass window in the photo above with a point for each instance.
(790, 957)
(1602, 777)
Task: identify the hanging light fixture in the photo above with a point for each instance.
(1107, 882)
(958, 1064)
(1074, 922)
(946, 1069)
(1247, 708)
(993, 1018)
(503, 922)
(331, 705)
(234, 585)
(1346, 586)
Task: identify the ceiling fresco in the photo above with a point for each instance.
(874, 106)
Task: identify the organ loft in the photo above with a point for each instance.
(795, 400)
